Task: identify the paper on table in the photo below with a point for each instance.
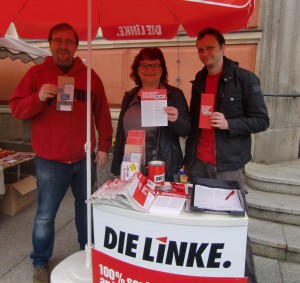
(167, 205)
(152, 104)
(216, 199)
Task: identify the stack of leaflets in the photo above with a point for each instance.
(137, 193)
(170, 200)
(135, 146)
(134, 154)
(140, 194)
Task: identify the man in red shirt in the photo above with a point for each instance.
(59, 127)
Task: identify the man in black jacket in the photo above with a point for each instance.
(229, 98)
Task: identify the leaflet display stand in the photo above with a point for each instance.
(131, 245)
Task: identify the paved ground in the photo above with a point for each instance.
(15, 248)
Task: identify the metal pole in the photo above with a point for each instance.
(88, 247)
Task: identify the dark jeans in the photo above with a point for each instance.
(53, 181)
(207, 170)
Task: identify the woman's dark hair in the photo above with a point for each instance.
(63, 26)
(148, 53)
(213, 32)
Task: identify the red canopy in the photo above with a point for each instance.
(121, 19)
(125, 19)
(136, 19)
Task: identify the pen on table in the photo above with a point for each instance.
(229, 195)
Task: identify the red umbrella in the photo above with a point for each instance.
(126, 19)
(136, 19)
(122, 20)
(33, 19)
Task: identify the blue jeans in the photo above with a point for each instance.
(53, 181)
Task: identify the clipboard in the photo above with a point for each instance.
(217, 184)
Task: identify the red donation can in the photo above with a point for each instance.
(156, 171)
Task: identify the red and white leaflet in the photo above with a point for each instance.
(100, 193)
(206, 108)
(142, 191)
(137, 193)
(173, 189)
(152, 104)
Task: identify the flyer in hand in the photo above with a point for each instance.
(152, 104)
(207, 107)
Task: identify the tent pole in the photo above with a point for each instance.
(88, 137)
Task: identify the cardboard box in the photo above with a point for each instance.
(18, 196)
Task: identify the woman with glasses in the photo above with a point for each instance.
(149, 72)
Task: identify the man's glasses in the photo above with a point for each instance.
(60, 41)
(152, 66)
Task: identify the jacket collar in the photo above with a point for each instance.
(228, 69)
(77, 66)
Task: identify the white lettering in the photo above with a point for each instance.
(159, 178)
(127, 30)
(121, 32)
(158, 30)
(143, 30)
(138, 30)
(148, 28)
(134, 30)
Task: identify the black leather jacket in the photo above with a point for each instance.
(168, 145)
(240, 99)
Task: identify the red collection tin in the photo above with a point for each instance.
(156, 171)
